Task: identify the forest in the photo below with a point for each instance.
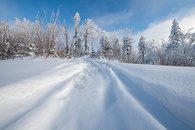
(50, 38)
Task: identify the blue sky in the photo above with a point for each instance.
(137, 15)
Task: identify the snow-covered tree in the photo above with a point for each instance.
(52, 32)
(66, 34)
(142, 49)
(187, 52)
(26, 38)
(77, 20)
(76, 39)
(102, 46)
(71, 49)
(116, 46)
(4, 39)
(90, 32)
(176, 36)
(178, 50)
(127, 46)
(38, 37)
(161, 52)
(152, 52)
(85, 31)
(94, 35)
(22, 35)
(105, 45)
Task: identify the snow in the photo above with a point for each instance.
(85, 93)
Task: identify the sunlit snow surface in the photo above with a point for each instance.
(86, 94)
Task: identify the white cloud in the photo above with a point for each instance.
(161, 29)
(112, 19)
(150, 6)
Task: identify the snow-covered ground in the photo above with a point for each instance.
(86, 94)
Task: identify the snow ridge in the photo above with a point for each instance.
(91, 94)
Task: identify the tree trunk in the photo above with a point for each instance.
(66, 35)
(143, 57)
(86, 47)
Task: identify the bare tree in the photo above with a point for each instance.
(76, 39)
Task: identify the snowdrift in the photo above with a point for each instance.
(85, 93)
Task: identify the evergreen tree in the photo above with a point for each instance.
(108, 49)
(102, 46)
(142, 49)
(116, 46)
(31, 49)
(176, 36)
(174, 52)
(105, 46)
(3, 40)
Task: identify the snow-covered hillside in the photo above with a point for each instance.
(86, 94)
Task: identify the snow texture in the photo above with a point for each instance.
(85, 94)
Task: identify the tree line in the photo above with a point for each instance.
(51, 39)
